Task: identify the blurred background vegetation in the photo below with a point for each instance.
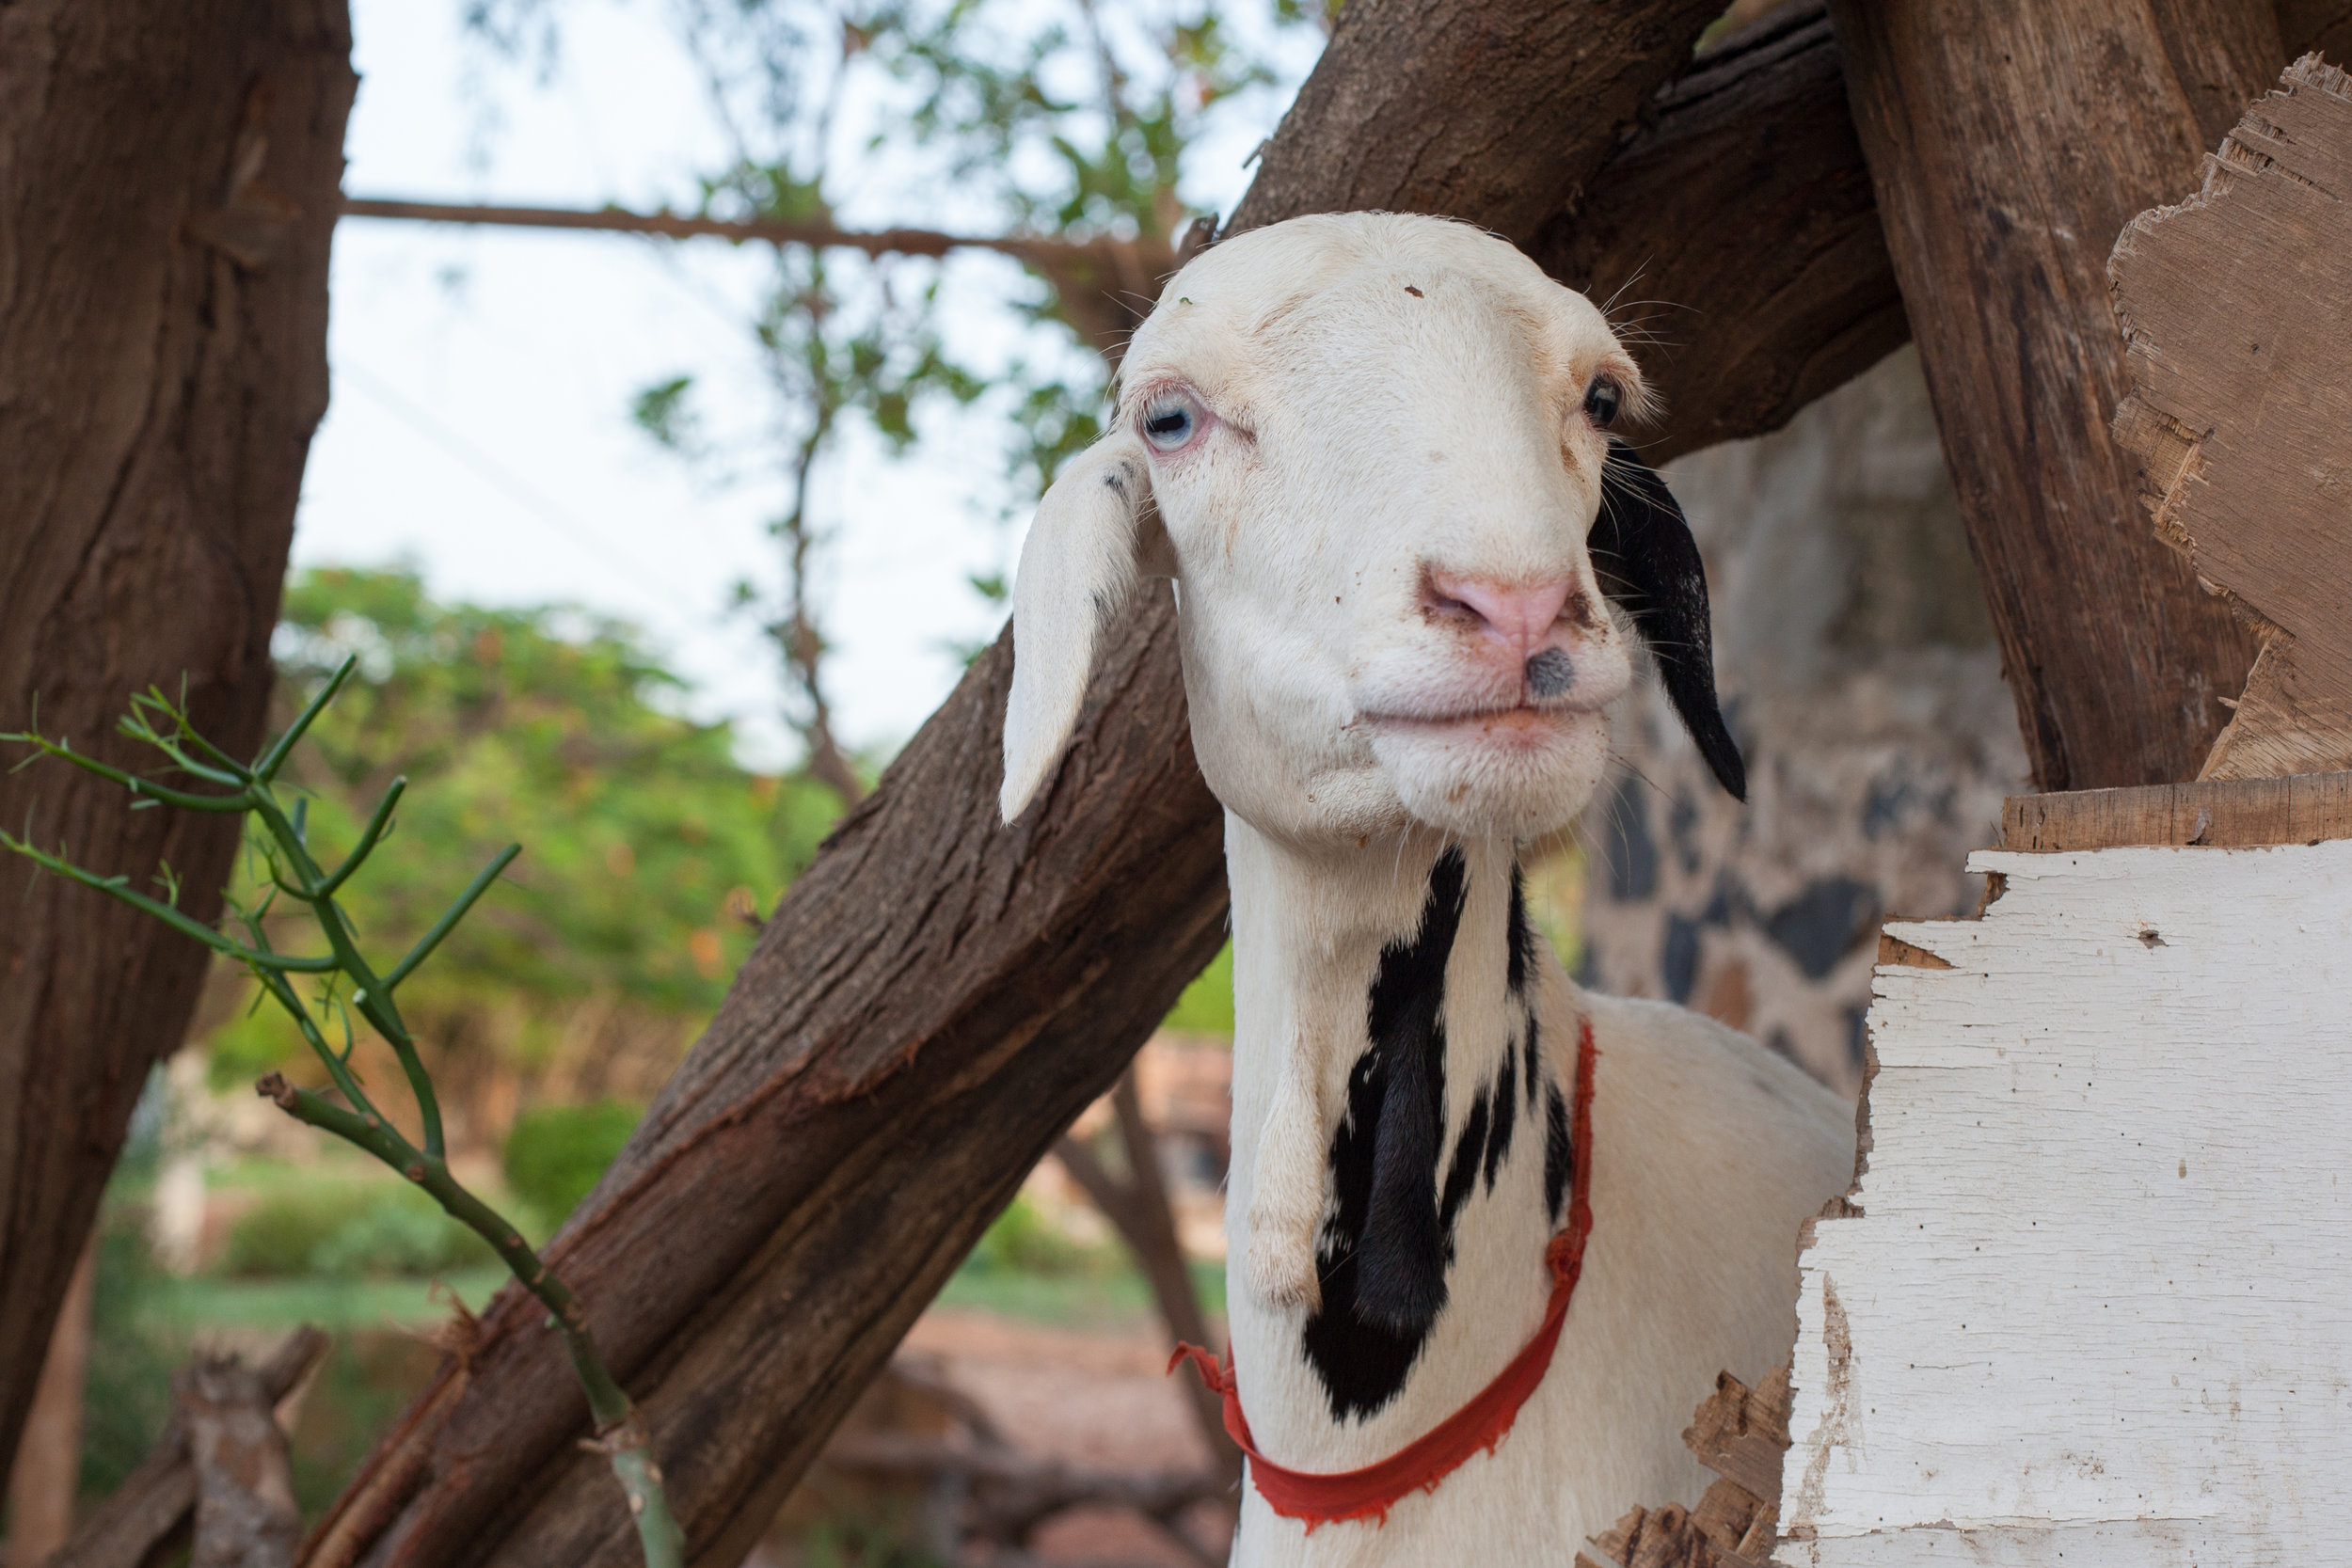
(550, 1018)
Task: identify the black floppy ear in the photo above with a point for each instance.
(1649, 565)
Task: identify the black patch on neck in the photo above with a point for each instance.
(1506, 1117)
(1523, 935)
(1461, 1176)
(1556, 1150)
(1382, 1256)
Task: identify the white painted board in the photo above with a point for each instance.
(2098, 1306)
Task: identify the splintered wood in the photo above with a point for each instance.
(1741, 1434)
(2233, 304)
(2095, 1308)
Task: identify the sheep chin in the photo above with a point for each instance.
(1461, 782)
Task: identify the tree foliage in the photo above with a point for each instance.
(649, 848)
(1063, 120)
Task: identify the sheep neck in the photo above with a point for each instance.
(1401, 988)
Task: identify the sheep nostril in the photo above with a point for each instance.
(1550, 673)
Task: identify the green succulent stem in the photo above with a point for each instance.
(280, 837)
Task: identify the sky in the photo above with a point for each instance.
(482, 379)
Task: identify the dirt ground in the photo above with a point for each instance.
(1095, 1398)
(1098, 1400)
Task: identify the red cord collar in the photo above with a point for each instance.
(1326, 1497)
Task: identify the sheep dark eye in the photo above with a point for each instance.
(1169, 422)
(1601, 401)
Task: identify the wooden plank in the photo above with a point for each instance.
(2301, 808)
(2096, 1306)
(2241, 407)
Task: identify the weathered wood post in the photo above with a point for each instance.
(2008, 144)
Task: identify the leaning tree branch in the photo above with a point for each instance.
(1105, 283)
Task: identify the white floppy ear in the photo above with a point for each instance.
(1076, 569)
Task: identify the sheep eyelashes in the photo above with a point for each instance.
(1384, 1254)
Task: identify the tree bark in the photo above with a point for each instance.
(1496, 111)
(2009, 145)
(168, 173)
(1739, 236)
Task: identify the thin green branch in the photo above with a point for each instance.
(456, 912)
(368, 838)
(119, 887)
(337, 1066)
(620, 1438)
(282, 844)
(266, 767)
(146, 789)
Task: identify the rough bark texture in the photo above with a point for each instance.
(148, 1521)
(1737, 235)
(168, 173)
(2008, 144)
(1496, 111)
(246, 1516)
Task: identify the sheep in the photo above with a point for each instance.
(1375, 453)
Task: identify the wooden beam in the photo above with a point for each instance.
(1498, 111)
(2008, 144)
(1739, 334)
(2303, 808)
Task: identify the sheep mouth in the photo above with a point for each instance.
(1520, 723)
(1518, 716)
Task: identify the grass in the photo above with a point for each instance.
(184, 1307)
(1109, 1301)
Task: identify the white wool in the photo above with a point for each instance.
(1384, 403)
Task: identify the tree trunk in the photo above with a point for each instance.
(168, 173)
(935, 1001)
(2008, 146)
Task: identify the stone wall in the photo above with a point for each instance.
(1860, 677)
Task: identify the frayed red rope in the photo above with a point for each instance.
(1369, 1493)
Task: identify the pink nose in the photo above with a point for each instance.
(1521, 615)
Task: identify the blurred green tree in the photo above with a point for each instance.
(650, 848)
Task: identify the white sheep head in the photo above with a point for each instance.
(1370, 448)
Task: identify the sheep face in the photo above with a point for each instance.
(1370, 449)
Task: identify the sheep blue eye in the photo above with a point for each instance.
(1167, 427)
